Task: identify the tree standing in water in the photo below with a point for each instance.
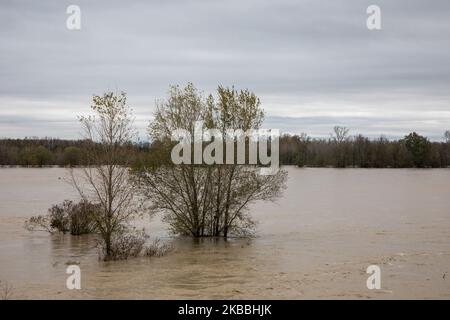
(105, 178)
(202, 200)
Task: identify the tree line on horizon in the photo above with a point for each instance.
(340, 150)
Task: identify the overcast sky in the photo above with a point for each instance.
(313, 63)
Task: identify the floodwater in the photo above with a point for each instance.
(315, 242)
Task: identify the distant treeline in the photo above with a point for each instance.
(39, 152)
(340, 150)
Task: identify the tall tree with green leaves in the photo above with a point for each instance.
(105, 178)
(419, 147)
(206, 199)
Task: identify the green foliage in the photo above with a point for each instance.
(47, 152)
(362, 152)
(205, 200)
(72, 156)
(419, 147)
(76, 218)
(36, 156)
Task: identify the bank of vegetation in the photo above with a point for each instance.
(355, 151)
(342, 150)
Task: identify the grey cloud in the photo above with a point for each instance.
(293, 54)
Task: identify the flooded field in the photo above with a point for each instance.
(314, 242)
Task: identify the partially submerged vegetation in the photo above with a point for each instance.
(67, 217)
(105, 179)
(132, 244)
(79, 219)
(128, 244)
(6, 290)
(158, 248)
(196, 200)
(107, 194)
(205, 200)
(120, 180)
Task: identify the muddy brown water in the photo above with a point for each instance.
(314, 242)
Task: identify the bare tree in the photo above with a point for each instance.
(340, 134)
(206, 200)
(447, 136)
(105, 180)
(339, 141)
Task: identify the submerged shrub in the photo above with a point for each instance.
(131, 244)
(124, 245)
(157, 248)
(76, 218)
(60, 216)
(82, 217)
(39, 223)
